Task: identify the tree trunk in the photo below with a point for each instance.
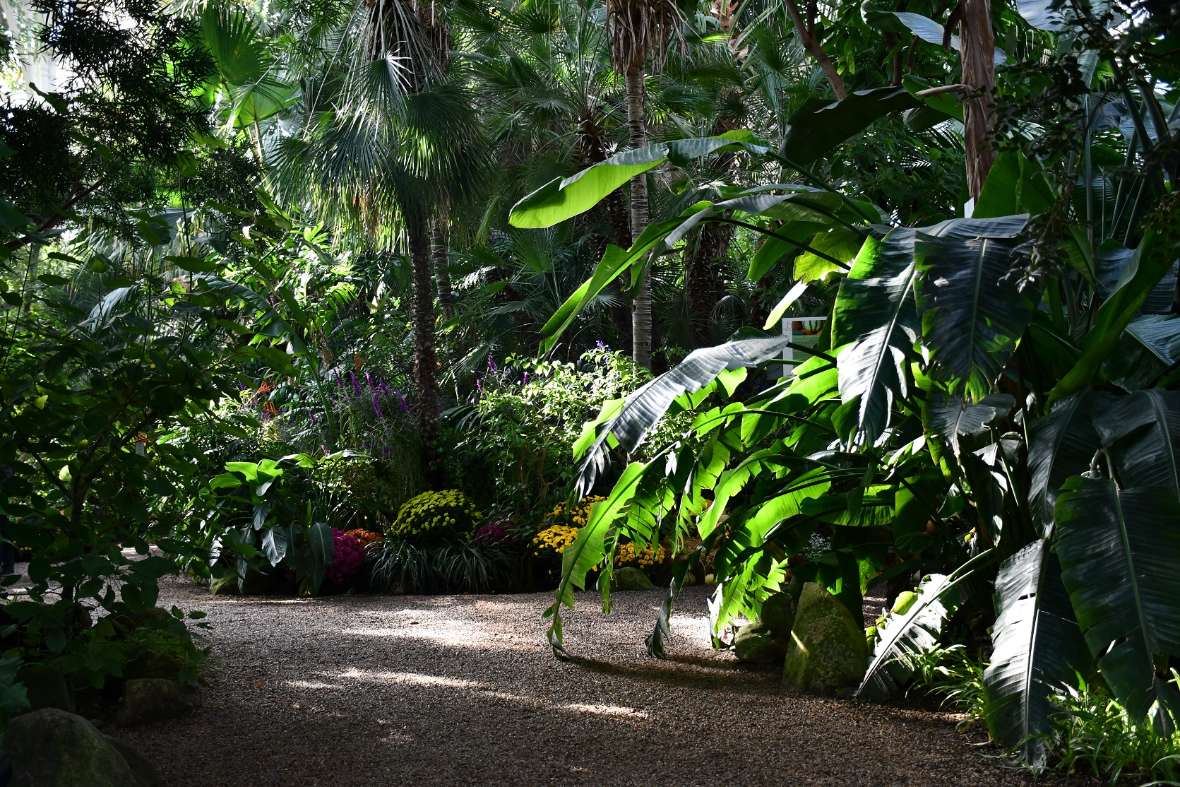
(440, 243)
(979, 74)
(703, 286)
(425, 361)
(641, 321)
(806, 32)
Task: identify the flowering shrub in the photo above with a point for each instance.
(434, 513)
(553, 540)
(364, 537)
(649, 557)
(347, 556)
(493, 532)
(575, 515)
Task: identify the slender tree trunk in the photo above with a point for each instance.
(593, 151)
(806, 31)
(703, 285)
(641, 321)
(979, 74)
(425, 361)
(440, 249)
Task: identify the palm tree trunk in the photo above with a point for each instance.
(441, 251)
(702, 278)
(979, 74)
(425, 361)
(641, 322)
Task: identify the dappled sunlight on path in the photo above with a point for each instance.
(387, 689)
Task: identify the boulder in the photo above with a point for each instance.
(778, 613)
(758, 643)
(826, 652)
(152, 699)
(54, 748)
(631, 578)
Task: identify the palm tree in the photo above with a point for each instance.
(389, 139)
(639, 32)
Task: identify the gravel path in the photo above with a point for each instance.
(463, 689)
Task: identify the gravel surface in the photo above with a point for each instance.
(463, 689)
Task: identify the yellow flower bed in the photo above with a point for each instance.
(647, 557)
(448, 510)
(553, 539)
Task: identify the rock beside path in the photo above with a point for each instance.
(54, 748)
(146, 700)
(827, 648)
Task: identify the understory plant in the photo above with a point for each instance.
(992, 407)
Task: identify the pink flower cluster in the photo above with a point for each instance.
(347, 558)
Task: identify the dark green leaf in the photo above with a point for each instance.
(1036, 647)
(1118, 550)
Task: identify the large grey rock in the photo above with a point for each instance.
(631, 578)
(827, 648)
(152, 699)
(54, 748)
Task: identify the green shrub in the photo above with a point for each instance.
(453, 565)
(432, 515)
(361, 491)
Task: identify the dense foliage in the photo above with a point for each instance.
(485, 297)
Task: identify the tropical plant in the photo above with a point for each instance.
(967, 412)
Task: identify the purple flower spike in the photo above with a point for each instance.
(356, 384)
(600, 344)
(376, 406)
(525, 380)
(368, 379)
(491, 363)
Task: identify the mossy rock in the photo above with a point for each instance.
(53, 748)
(631, 578)
(759, 643)
(826, 652)
(778, 613)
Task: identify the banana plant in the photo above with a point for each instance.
(914, 442)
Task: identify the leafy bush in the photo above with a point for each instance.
(1092, 732)
(348, 555)
(365, 492)
(513, 442)
(450, 565)
(434, 515)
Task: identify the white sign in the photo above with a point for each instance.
(802, 332)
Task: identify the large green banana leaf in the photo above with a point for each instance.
(1119, 549)
(1036, 646)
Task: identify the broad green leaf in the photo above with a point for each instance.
(1151, 261)
(644, 408)
(615, 262)
(1061, 445)
(588, 549)
(564, 198)
(820, 127)
(1142, 435)
(838, 243)
(275, 543)
(875, 315)
(903, 637)
(1160, 334)
(1118, 549)
(954, 419)
(1014, 185)
(973, 312)
(1036, 647)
